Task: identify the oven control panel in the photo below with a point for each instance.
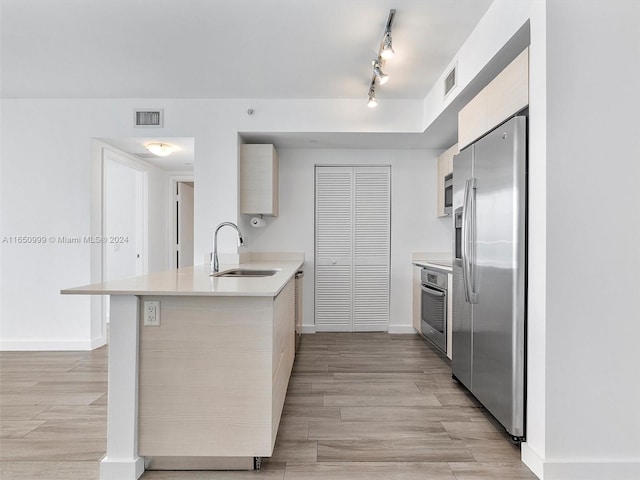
(434, 278)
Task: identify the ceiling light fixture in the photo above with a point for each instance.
(161, 149)
(372, 102)
(385, 52)
(387, 48)
(380, 75)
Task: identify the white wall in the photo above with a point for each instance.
(47, 173)
(593, 239)
(534, 450)
(501, 21)
(414, 225)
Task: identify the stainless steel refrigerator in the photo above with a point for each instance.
(489, 271)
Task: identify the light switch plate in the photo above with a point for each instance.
(151, 313)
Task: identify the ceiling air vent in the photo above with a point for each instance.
(450, 80)
(148, 117)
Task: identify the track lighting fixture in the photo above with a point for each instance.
(385, 52)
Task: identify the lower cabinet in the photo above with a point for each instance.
(416, 298)
(213, 376)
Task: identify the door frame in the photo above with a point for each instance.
(99, 150)
(172, 226)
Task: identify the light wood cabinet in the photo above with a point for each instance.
(445, 167)
(283, 352)
(417, 292)
(450, 316)
(507, 94)
(214, 375)
(258, 180)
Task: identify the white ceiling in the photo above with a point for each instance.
(272, 49)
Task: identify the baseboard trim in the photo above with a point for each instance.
(401, 329)
(393, 329)
(38, 345)
(558, 470)
(120, 469)
(591, 470)
(98, 342)
(532, 460)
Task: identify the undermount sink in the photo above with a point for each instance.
(245, 272)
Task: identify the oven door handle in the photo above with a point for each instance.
(431, 291)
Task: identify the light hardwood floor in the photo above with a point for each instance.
(359, 406)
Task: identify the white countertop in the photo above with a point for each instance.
(437, 260)
(436, 264)
(196, 281)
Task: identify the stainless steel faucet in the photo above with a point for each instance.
(215, 267)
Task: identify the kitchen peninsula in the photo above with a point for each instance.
(198, 379)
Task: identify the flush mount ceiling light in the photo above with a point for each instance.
(161, 149)
(385, 52)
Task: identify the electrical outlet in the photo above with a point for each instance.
(151, 313)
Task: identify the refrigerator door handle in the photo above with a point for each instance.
(471, 247)
(465, 241)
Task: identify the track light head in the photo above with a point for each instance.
(372, 102)
(387, 49)
(380, 75)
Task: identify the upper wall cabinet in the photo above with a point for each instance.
(507, 94)
(259, 180)
(445, 167)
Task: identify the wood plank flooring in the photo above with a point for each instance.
(359, 406)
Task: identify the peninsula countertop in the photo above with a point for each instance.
(196, 281)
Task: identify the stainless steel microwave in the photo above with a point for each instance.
(448, 194)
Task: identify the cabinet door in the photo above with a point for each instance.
(508, 93)
(504, 96)
(283, 351)
(445, 167)
(258, 180)
(472, 120)
(417, 282)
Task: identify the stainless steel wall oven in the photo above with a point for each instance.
(433, 307)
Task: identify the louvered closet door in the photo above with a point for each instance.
(334, 250)
(371, 249)
(352, 248)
